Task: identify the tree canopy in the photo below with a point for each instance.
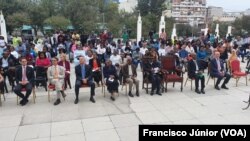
(95, 15)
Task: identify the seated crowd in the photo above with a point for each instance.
(101, 62)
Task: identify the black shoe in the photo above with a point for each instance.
(76, 101)
(217, 88)
(130, 94)
(224, 87)
(202, 91)
(25, 101)
(112, 98)
(58, 101)
(159, 93)
(243, 61)
(21, 102)
(137, 93)
(152, 93)
(197, 91)
(92, 99)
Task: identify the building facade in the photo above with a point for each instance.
(189, 11)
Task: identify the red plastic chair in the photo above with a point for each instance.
(51, 87)
(236, 71)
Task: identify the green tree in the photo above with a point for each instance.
(223, 26)
(151, 11)
(50, 7)
(241, 25)
(82, 13)
(155, 7)
(17, 20)
(184, 30)
(169, 26)
(37, 16)
(57, 22)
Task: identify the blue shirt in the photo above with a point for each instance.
(183, 53)
(201, 55)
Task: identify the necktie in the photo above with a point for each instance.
(218, 64)
(83, 72)
(24, 77)
(56, 72)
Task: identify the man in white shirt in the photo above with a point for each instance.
(14, 52)
(115, 58)
(162, 50)
(144, 48)
(189, 48)
(88, 56)
(100, 51)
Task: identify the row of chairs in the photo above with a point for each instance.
(171, 73)
(235, 71)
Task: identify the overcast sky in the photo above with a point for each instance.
(230, 5)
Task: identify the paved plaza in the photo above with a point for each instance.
(118, 121)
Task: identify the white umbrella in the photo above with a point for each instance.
(3, 27)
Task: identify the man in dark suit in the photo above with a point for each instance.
(217, 70)
(195, 72)
(84, 76)
(24, 79)
(129, 76)
(7, 64)
(152, 69)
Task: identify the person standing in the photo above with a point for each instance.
(24, 79)
(56, 76)
(84, 76)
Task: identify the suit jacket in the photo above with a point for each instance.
(51, 72)
(88, 72)
(29, 74)
(148, 66)
(11, 60)
(214, 67)
(125, 70)
(109, 70)
(91, 63)
(67, 65)
(192, 68)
